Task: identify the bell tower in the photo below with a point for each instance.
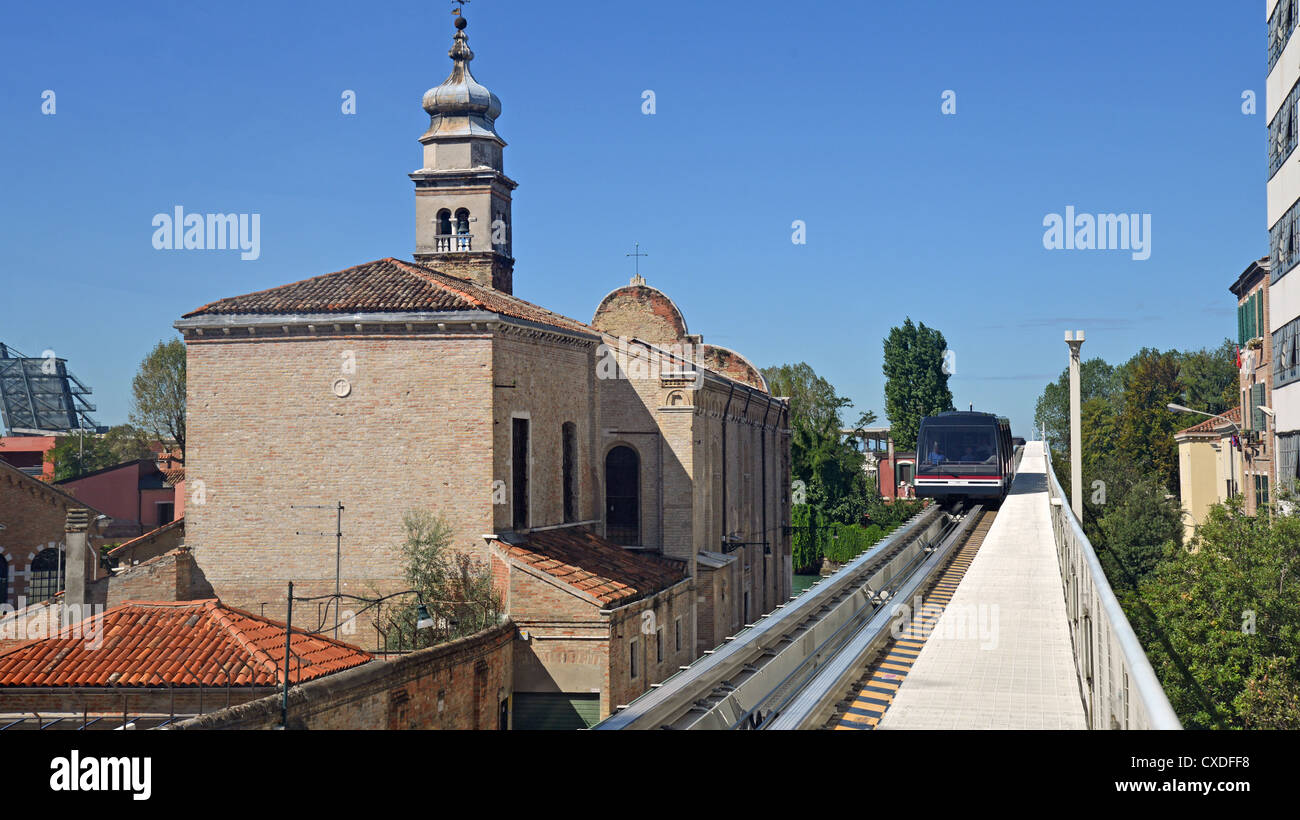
(462, 195)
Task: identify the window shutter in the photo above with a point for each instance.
(1277, 354)
(1240, 335)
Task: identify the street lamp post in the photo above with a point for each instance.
(1075, 340)
(423, 621)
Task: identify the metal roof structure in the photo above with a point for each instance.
(40, 396)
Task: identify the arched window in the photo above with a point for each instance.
(569, 434)
(623, 496)
(4, 580)
(46, 577)
(462, 230)
(442, 241)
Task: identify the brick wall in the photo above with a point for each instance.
(114, 701)
(34, 516)
(546, 378)
(170, 577)
(631, 630)
(458, 685)
(567, 645)
(267, 431)
(150, 545)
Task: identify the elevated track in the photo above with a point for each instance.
(792, 668)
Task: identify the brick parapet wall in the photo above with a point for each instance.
(458, 685)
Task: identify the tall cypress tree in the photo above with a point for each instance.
(915, 382)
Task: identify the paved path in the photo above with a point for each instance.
(1000, 656)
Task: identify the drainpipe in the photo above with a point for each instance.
(762, 449)
(725, 411)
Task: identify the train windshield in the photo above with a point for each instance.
(942, 448)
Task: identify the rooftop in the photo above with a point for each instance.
(611, 574)
(386, 286)
(19, 478)
(1215, 425)
(185, 643)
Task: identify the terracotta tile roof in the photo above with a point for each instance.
(186, 643)
(386, 286)
(1211, 426)
(588, 563)
(172, 475)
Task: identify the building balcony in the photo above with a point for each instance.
(453, 243)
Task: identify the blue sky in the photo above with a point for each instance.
(766, 113)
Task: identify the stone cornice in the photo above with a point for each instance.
(218, 327)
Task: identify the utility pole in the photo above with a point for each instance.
(1075, 340)
(338, 548)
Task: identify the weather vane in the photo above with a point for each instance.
(460, 6)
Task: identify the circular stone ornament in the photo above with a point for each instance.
(342, 387)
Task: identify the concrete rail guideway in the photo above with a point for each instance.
(1066, 656)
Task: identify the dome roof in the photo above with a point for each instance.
(731, 364)
(639, 311)
(461, 106)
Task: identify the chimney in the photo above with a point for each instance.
(75, 548)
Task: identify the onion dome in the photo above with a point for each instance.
(461, 106)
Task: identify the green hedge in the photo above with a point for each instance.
(848, 541)
(816, 538)
(809, 527)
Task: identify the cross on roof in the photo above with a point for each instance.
(636, 254)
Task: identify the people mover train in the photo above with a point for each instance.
(963, 454)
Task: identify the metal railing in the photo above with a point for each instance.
(1120, 689)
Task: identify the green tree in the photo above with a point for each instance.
(829, 464)
(1138, 529)
(1097, 380)
(1145, 429)
(813, 400)
(1098, 434)
(77, 454)
(1228, 609)
(1210, 378)
(916, 384)
(456, 589)
(158, 393)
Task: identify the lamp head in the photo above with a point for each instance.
(423, 620)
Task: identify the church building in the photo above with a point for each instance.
(627, 484)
